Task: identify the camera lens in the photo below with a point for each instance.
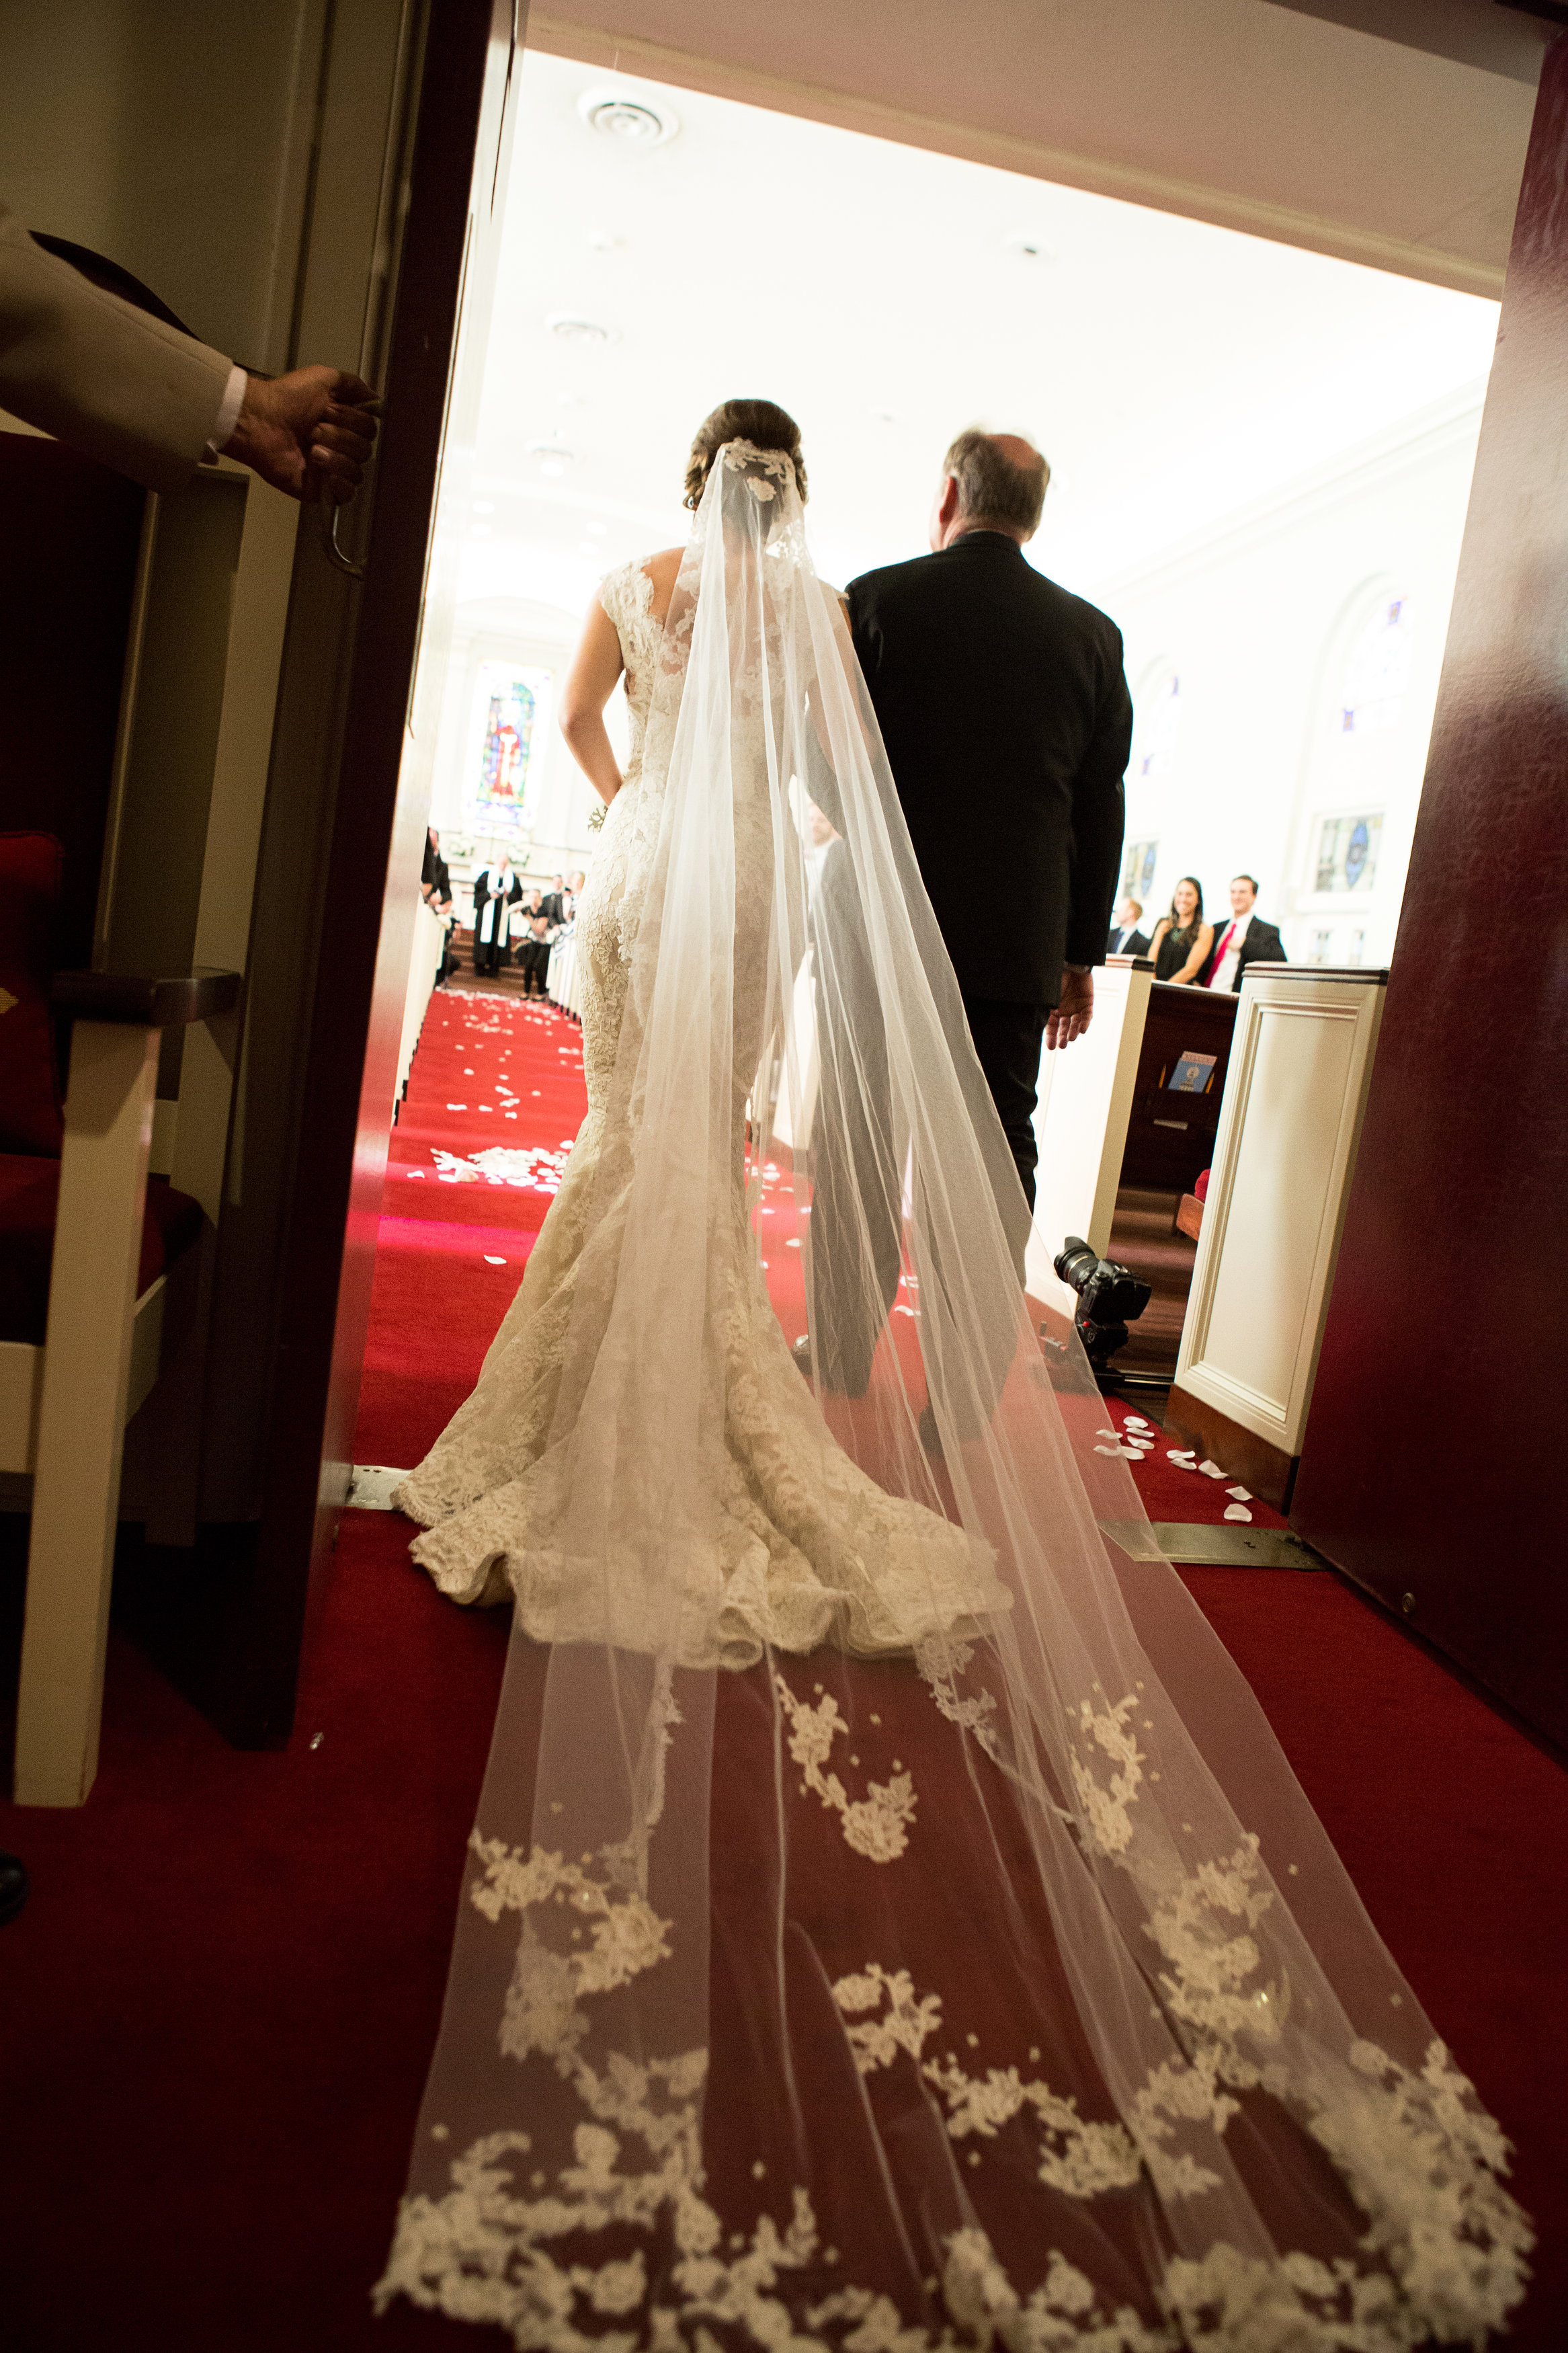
(1076, 1264)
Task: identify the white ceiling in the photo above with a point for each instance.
(1174, 372)
(1394, 134)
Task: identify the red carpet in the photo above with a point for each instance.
(219, 2005)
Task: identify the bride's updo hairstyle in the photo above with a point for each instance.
(761, 422)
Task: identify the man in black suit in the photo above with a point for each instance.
(1006, 714)
(1126, 939)
(1246, 939)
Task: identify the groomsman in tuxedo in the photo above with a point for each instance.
(1126, 939)
(1246, 939)
(1007, 721)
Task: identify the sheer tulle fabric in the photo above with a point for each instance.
(890, 1921)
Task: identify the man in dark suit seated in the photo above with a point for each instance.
(1006, 714)
(1126, 939)
(1246, 939)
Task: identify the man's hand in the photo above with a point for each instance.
(315, 428)
(1072, 1016)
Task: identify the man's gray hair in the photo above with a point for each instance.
(991, 488)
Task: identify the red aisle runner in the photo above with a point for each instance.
(495, 1100)
(216, 2013)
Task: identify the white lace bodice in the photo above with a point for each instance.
(627, 597)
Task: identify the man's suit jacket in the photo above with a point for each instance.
(1135, 944)
(1008, 721)
(1262, 945)
(96, 371)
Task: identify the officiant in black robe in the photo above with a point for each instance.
(497, 891)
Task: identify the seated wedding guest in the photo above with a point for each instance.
(1182, 939)
(496, 892)
(1126, 939)
(435, 890)
(1246, 939)
(89, 355)
(533, 954)
(434, 880)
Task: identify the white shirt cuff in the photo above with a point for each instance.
(1075, 968)
(227, 416)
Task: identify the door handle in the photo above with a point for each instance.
(329, 511)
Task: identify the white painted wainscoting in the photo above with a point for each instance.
(1080, 1122)
(1284, 1158)
(424, 966)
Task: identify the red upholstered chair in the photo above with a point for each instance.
(91, 1260)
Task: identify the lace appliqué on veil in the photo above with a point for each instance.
(876, 1825)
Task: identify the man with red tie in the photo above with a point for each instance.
(1246, 939)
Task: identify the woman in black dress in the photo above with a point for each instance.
(1182, 940)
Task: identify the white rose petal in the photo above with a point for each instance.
(1242, 1494)
(1236, 1512)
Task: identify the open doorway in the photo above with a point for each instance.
(1261, 457)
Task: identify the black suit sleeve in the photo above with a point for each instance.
(1099, 816)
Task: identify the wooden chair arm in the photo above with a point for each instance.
(151, 1003)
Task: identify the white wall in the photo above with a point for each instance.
(1257, 620)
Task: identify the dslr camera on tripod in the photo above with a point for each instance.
(1110, 1297)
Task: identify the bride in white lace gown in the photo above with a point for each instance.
(890, 1924)
(802, 1546)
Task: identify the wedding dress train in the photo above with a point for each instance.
(890, 1923)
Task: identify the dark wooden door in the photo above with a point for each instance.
(340, 1079)
(1428, 1465)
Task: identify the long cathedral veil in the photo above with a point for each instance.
(838, 1989)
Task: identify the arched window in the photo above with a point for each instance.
(511, 712)
(1156, 724)
(1377, 671)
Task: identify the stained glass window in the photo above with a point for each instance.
(512, 713)
(1138, 869)
(1378, 671)
(1347, 853)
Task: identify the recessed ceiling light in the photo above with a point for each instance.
(574, 330)
(628, 115)
(1027, 247)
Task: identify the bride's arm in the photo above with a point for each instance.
(590, 683)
